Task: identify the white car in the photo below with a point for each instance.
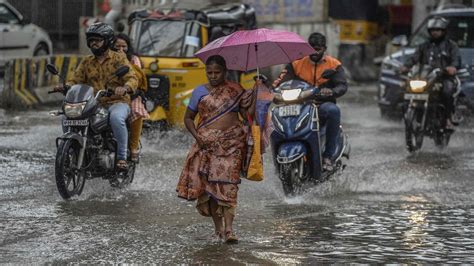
(18, 37)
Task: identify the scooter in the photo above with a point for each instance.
(298, 140)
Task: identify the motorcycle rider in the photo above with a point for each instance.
(439, 52)
(310, 70)
(95, 70)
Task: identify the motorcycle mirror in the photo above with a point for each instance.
(52, 69)
(328, 73)
(121, 71)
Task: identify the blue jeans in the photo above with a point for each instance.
(118, 114)
(330, 115)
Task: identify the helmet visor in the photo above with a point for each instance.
(94, 38)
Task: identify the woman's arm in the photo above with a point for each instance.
(247, 103)
(189, 123)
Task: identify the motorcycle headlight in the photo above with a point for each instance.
(417, 86)
(290, 95)
(73, 110)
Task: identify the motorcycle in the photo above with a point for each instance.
(424, 112)
(298, 140)
(88, 149)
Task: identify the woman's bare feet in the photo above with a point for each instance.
(219, 235)
(230, 238)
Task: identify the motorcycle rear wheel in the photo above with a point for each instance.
(441, 140)
(69, 180)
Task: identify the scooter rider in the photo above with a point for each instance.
(439, 52)
(95, 70)
(310, 70)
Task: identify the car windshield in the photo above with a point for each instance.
(6, 16)
(460, 30)
(168, 38)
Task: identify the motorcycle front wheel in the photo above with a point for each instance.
(413, 131)
(69, 180)
(289, 176)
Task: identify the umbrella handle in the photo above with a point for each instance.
(256, 59)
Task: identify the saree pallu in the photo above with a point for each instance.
(214, 172)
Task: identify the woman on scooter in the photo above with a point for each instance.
(212, 169)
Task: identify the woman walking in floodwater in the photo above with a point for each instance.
(212, 169)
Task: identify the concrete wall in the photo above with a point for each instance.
(27, 82)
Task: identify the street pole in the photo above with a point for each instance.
(421, 9)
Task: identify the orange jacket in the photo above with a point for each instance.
(305, 69)
(310, 72)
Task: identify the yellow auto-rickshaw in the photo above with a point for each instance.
(166, 43)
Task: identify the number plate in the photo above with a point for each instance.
(289, 110)
(72, 123)
(421, 97)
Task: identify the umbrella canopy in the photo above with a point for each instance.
(252, 49)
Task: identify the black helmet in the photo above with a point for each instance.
(437, 23)
(101, 30)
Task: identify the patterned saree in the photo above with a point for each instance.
(214, 172)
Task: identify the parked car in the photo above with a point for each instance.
(20, 38)
(391, 86)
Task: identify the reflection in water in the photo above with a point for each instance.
(415, 235)
(417, 224)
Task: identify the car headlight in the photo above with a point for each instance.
(417, 86)
(153, 66)
(290, 95)
(73, 110)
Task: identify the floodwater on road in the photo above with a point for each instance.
(387, 206)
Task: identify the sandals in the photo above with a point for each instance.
(230, 238)
(122, 165)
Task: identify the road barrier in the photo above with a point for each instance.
(27, 81)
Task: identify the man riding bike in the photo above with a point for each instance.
(95, 70)
(439, 52)
(310, 70)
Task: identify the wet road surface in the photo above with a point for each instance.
(387, 206)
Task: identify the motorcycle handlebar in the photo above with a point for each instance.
(109, 92)
(65, 88)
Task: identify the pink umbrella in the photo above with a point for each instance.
(253, 49)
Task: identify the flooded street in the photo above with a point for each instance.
(387, 206)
